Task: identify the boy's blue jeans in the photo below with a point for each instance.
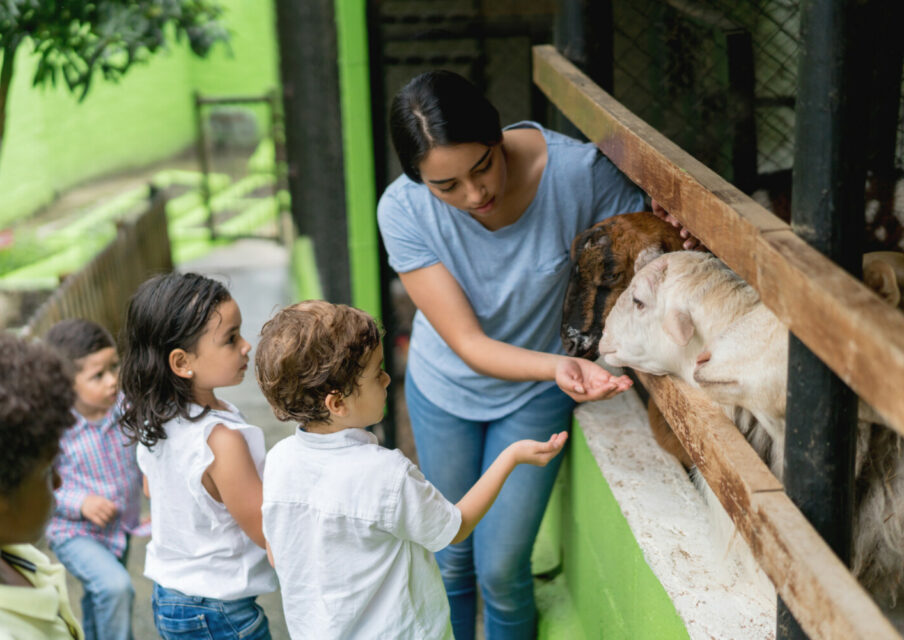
(107, 603)
(453, 453)
(181, 617)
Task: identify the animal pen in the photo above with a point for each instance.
(846, 326)
(721, 80)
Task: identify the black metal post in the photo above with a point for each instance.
(741, 96)
(584, 33)
(884, 70)
(827, 211)
(310, 78)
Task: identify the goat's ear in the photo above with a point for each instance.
(646, 256)
(880, 277)
(678, 326)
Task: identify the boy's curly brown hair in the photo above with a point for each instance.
(309, 350)
(36, 395)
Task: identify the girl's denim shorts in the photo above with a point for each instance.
(181, 617)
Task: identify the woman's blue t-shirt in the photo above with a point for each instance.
(514, 277)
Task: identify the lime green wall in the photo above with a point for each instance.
(53, 142)
(611, 591)
(357, 142)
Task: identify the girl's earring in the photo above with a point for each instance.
(191, 373)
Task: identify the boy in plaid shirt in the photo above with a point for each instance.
(99, 502)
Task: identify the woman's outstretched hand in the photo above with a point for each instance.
(538, 453)
(586, 381)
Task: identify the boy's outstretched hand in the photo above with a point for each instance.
(539, 453)
(477, 501)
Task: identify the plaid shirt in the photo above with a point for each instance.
(94, 460)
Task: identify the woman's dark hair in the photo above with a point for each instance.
(76, 338)
(438, 109)
(167, 312)
(36, 396)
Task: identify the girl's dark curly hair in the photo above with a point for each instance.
(310, 350)
(167, 312)
(36, 396)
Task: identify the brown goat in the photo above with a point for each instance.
(602, 266)
(602, 260)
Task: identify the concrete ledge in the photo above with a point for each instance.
(670, 523)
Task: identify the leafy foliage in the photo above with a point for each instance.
(75, 38)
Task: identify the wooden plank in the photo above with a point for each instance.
(841, 321)
(101, 289)
(825, 598)
(712, 440)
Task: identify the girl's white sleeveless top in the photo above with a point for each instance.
(196, 546)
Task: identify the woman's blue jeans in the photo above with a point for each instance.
(453, 453)
(181, 617)
(108, 591)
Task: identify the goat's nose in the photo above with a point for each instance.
(704, 356)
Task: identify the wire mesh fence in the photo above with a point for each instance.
(717, 77)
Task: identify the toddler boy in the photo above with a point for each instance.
(351, 526)
(99, 501)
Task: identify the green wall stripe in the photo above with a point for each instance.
(304, 270)
(357, 144)
(612, 592)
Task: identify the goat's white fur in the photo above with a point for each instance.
(687, 314)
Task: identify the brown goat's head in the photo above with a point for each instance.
(602, 266)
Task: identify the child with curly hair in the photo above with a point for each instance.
(35, 397)
(351, 526)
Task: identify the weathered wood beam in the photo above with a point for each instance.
(859, 337)
(818, 588)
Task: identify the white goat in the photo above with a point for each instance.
(747, 365)
(675, 304)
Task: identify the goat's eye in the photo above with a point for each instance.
(638, 304)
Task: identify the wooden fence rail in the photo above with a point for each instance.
(101, 290)
(842, 322)
(838, 318)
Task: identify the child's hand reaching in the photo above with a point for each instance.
(98, 510)
(538, 453)
(477, 501)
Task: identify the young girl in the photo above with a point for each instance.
(202, 461)
(98, 504)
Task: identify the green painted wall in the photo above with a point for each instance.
(54, 142)
(357, 142)
(606, 587)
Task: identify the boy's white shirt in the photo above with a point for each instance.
(196, 545)
(352, 527)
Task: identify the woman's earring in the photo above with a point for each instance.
(191, 373)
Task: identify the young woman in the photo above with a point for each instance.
(479, 229)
